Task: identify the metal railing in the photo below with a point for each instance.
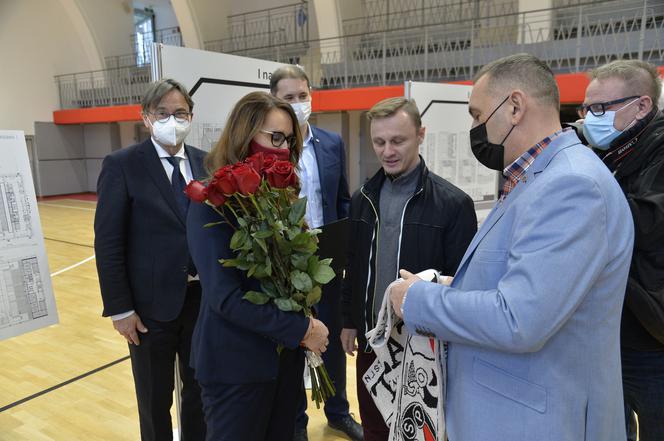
(570, 38)
(107, 87)
(142, 43)
(275, 26)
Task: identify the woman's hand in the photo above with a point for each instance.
(316, 337)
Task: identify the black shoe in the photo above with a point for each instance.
(348, 426)
(300, 435)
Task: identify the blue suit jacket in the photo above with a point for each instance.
(140, 239)
(331, 159)
(533, 314)
(234, 340)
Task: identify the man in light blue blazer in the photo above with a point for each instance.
(533, 314)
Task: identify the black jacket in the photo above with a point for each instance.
(641, 176)
(438, 224)
(140, 237)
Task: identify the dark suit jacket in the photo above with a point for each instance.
(140, 237)
(331, 158)
(235, 341)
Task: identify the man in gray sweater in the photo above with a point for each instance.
(403, 217)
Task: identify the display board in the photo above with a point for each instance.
(26, 295)
(215, 82)
(446, 146)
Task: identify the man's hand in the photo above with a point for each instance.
(349, 341)
(128, 326)
(398, 291)
(316, 337)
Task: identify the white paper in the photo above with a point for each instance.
(26, 295)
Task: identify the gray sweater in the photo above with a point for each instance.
(393, 197)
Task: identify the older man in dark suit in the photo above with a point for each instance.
(323, 180)
(148, 283)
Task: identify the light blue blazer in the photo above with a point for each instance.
(533, 315)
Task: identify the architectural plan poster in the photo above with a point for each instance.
(446, 146)
(215, 82)
(26, 295)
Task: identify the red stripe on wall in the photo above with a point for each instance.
(572, 91)
(93, 115)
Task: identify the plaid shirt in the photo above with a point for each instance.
(516, 171)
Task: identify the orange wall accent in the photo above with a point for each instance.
(361, 98)
(572, 91)
(93, 115)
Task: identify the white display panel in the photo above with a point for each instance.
(215, 81)
(446, 146)
(26, 295)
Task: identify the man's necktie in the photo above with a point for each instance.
(178, 184)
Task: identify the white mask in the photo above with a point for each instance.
(170, 133)
(302, 111)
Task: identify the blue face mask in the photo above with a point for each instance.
(599, 130)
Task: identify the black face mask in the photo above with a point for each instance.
(488, 154)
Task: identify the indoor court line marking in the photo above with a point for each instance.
(73, 266)
(68, 243)
(64, 383)
(66, 206)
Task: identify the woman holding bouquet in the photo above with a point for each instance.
(248, 358)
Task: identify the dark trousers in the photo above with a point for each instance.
(256, 411)
(373, 423)
(329, 312)
(643, 387)
(153, 366)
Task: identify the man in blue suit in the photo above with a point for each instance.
(147, 280)
(532, 317)
(323, 179)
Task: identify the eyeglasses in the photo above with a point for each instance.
(278, 138)
(599, 109)
(163, 116)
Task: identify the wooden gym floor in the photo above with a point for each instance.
(73, 381)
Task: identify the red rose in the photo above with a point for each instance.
(196, 191)
(281, 174)
(246, 177)
(256, 161)
(268, 161)
(214, 196)
(225, 181)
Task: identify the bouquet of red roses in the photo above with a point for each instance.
(271, 240)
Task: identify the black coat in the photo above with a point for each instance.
(438, 225)
(641, 176)
(140, 236)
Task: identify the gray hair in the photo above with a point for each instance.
(640, 78)
(522, 71)
(290, 71)
(161, 88)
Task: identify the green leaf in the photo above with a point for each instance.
(299, 261)
(261, 243)
(269, 288)
(262, 234)
(212, 224)
(241, 222)
(297, 211)
(284, 304)
(298, 297)
(252, 270)
(239, 239)
(301, 281)
(314, 296)
(257, 298)
(327, 261)
(323, 274)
